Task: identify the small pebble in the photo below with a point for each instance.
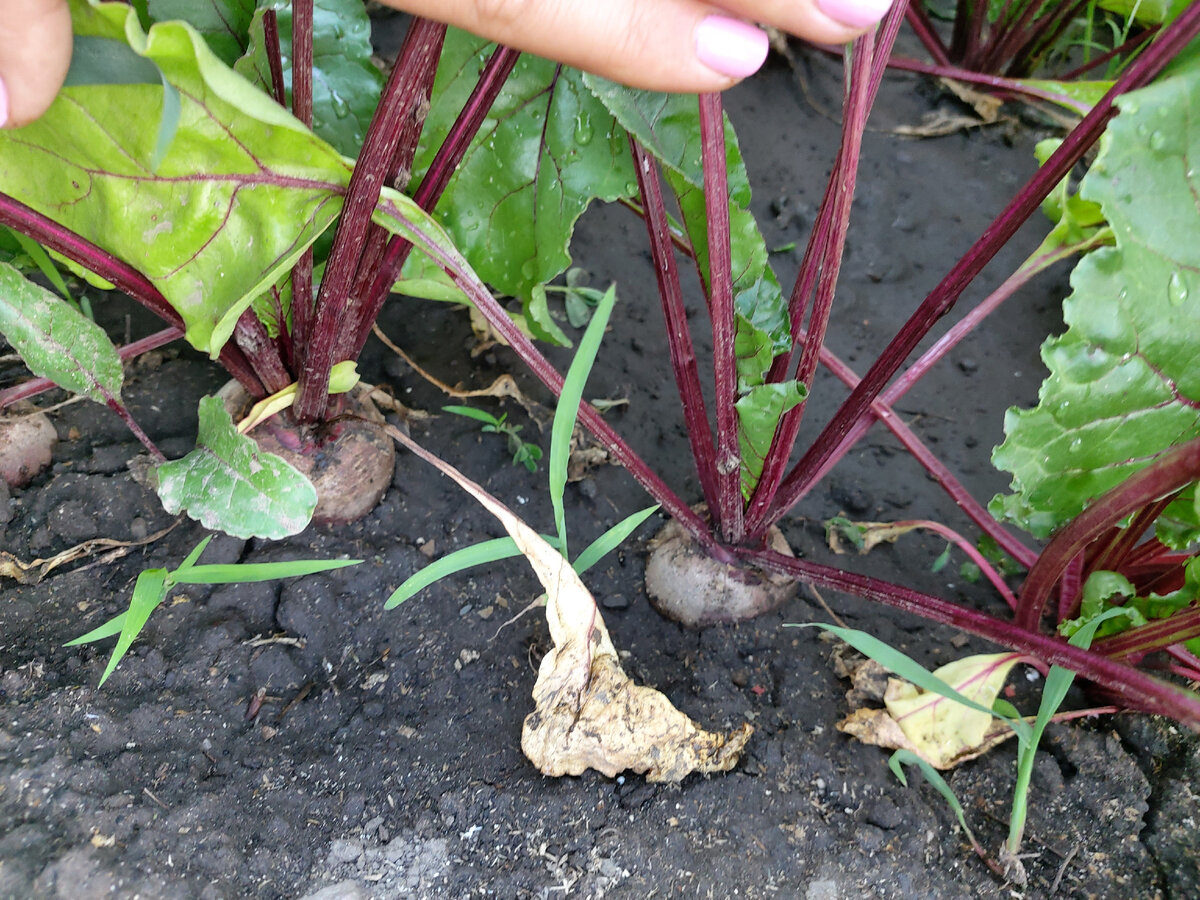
(968, 365)
(615, 601)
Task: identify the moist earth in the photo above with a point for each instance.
(384, 759)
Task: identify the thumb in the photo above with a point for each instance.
(35, 51)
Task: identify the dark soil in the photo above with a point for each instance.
(385, 759)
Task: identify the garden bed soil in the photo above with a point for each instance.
(385, 761)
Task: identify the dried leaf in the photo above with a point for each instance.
(588, 714)
(942, 732)
(871, 535)
(33, 572)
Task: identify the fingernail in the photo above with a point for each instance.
(3, 103)
(855, 13)
(730, 47)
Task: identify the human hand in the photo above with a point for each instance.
(662, 45)
(666, 45)
(35, 50)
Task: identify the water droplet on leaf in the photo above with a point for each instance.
(583, 129)
(1177, 289)
(341, 108)
(1158, 141)
(1076, 445)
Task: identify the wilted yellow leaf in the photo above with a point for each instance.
(588, 713)
(939, 730)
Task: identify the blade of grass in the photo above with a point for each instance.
(466, 558)
(191, 559)
(148, 592)
(1058, 682)
(567, 410)
(245, 573)
(611, 539)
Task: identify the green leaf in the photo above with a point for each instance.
(1146, 12)
(191, 559)
(541, 321)
(148, 592)
(567, 409)
(901, 758)
(611, 539)
(40, 258)
(228, 484)
(244, 573)
(56, 340)
(223, 23)
(472, 413)
(759, 411)
(1082, 93)
(546, 150)
(241, 192)
(1124, 385)
(476, 555)
(99, 60)
(346, 84)
(1111, 602)
(1179, 525)
(99, 633)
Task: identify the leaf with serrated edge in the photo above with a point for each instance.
(242, 191)
(546, 150)
(56, 341)
(228, 484)
(1124, 382)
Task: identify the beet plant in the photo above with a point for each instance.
(171, 169)
(501, 155)
(1114, 437)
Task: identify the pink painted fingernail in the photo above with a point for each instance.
(3, 103)
(855, 13)
(730, 47)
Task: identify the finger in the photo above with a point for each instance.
(35, 51)
(665, 45)
(822, 21)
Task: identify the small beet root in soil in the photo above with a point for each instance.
(688, 586)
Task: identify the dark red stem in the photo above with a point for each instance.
(1177, 628)
(728, 514)
(274, 56)
(921, 25)
(334, 302)
(35, 386)
(679, 337)
(836, 212)
(1172, 470)
(302, 109)
(1136, 689)
(943, 297)
(430, 36)
(491, 80)
(994, 82)
(1129, 47)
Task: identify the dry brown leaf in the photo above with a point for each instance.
(941, 731)
(588, 714)
(33, 572)
(986, 106)
(503, 386)
(872, 535)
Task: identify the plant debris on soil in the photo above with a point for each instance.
(293, 739)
